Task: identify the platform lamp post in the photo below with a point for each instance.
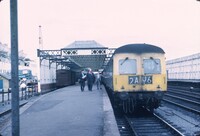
(38, 72)
(38, 60)
(14, 68)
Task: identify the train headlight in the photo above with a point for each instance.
(123, 95)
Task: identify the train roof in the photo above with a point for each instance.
(139, 49)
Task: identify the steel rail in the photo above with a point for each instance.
(183, 99)
(129, 122)
(148, 122)
(182, 106)
(170, 126)
(195, 96)
(184, 91)
(124, 127)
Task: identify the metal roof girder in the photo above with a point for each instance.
(48, 53)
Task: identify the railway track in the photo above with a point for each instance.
(185, 94)
(185, 88)
(5, 115)
(145, 124)
(124, 126)
(183, 98)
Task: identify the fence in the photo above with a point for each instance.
(24, 93)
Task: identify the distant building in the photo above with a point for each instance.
(5, 65)
(184, 68)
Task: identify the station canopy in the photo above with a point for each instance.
(79, 55)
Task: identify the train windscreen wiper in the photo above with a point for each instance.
(154, 60)
(124, 61)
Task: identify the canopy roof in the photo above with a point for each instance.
(79, 55)
(85, 45)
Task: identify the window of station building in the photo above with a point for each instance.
(152, 66)
(127, 66)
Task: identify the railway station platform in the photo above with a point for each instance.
(69, 112)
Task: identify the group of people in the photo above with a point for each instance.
(22, 83)
(90, 78)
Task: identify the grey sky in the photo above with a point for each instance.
(171, 24)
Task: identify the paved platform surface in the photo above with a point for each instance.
(68, 112)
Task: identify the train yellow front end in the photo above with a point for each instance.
(139, 78)
(144, 74)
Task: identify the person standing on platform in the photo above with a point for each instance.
(23, 84)
(98, 81)
(90, 79)
(82, 80)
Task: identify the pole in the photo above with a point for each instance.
(14, 68)
(40, 38)
(38, 60)
(38, 70)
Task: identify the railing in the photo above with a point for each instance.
(24, 93)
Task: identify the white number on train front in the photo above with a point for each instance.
(133, 79)
(146, 79)
(136, 80)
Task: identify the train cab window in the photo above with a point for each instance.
(152, 66)
(127, 66)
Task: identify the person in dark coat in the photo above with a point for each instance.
(90, 79)
(98, 81)
(82, 80)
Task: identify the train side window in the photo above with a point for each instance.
(152, 66)
(127, 66)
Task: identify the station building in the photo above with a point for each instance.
(184, 68)
(5, 65)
